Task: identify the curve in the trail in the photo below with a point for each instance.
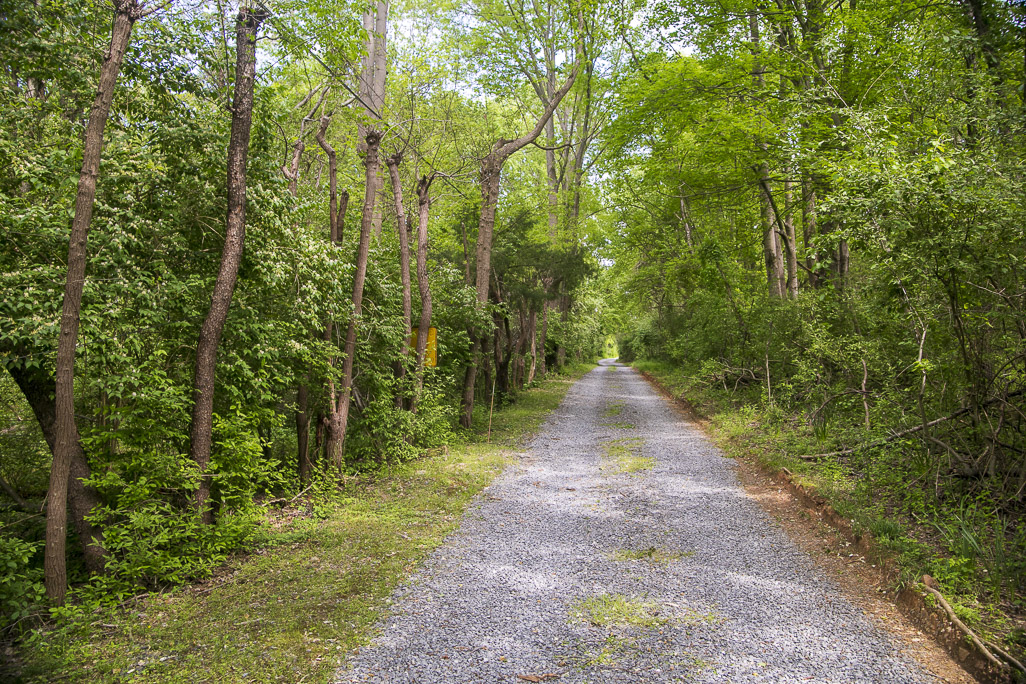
(569, 569)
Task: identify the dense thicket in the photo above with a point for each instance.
(296, 388)
(821, 210)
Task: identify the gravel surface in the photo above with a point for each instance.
(724, 597)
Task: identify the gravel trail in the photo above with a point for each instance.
(712, 589)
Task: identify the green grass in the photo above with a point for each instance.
(652, 554)
(623, 455)
(617, 610)
(293, 610)
(613, 409)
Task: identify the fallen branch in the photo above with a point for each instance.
(12, 494)
(1006, 655)
(961, 625)
(910, 431)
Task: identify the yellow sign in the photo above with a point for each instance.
(431, 351)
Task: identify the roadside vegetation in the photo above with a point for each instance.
(316, 576)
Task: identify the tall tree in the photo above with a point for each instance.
(339, 399)
(247, 24)
(423, 285)
(491, 172)
(126, 12)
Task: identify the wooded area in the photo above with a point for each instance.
(814, 211)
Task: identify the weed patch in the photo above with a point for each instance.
(617, 610)
(622, 455)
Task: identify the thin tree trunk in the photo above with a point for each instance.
(304, 466)
(543, 338)
(200, 433)
(532, 324)
(373, 70)
(423, 206)
(770, 241)
(339, 418)
(564, 322)
(521, 349)
(66, 442)
(809, 228)
(402, 227)
(335, 225)
(792, 251)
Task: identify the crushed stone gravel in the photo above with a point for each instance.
(725, 595)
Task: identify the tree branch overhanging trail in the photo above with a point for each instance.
(491, 172)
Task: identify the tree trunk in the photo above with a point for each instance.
(200, 433)
(543, 339)
(424, 206)
(809, 228)
(339, 417)
(564, 322)
(373, 70)
(336, 217)
(770, 241)
(304, 466)
(532, 324)
(491, 171)
(789, 243)
(402, 227)
(521, 349)
(39, 389)
(66, 440)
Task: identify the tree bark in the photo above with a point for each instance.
(402, 227)
(66, 440)
(373, 71)
(789, 243)
(39, 389)
(403, 230)
(246, 26)
(304, 466)
(564, 322)
(423, 206)
(338, 419)
(770, 241)
(532, 324)
(336, 216)
(491, 170)
(809, 228)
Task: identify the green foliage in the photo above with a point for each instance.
(21, 579)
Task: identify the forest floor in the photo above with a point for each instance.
(621, 546)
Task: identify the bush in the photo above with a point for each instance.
(21, 579)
